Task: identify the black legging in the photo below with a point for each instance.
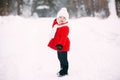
(62, 56)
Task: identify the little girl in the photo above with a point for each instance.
(60, 41)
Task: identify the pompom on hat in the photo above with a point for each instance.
(63, 12)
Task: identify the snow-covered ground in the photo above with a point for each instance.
(94, 54)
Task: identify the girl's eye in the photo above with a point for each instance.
(61, 17)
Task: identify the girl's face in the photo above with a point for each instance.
(61, 20)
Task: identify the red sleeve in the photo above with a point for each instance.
(54, 22)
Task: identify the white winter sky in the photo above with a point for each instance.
(94, 54)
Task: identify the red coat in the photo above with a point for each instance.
(61, 37)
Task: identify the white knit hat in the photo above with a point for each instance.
(63, 12)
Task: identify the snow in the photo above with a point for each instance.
(94, 54)
(43, 7)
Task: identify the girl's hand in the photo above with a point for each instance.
(59, 46)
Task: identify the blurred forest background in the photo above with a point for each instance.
(49, 8)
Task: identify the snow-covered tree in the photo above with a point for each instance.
(49, 8)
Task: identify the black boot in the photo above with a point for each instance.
(63, 71)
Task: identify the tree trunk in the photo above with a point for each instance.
(4, 7)
(19, 6)
(34, 5)
(117, 2)
(89, 5)
(101, 8)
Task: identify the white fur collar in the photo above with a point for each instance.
(55, 28)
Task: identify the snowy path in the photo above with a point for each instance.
(24, 55)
